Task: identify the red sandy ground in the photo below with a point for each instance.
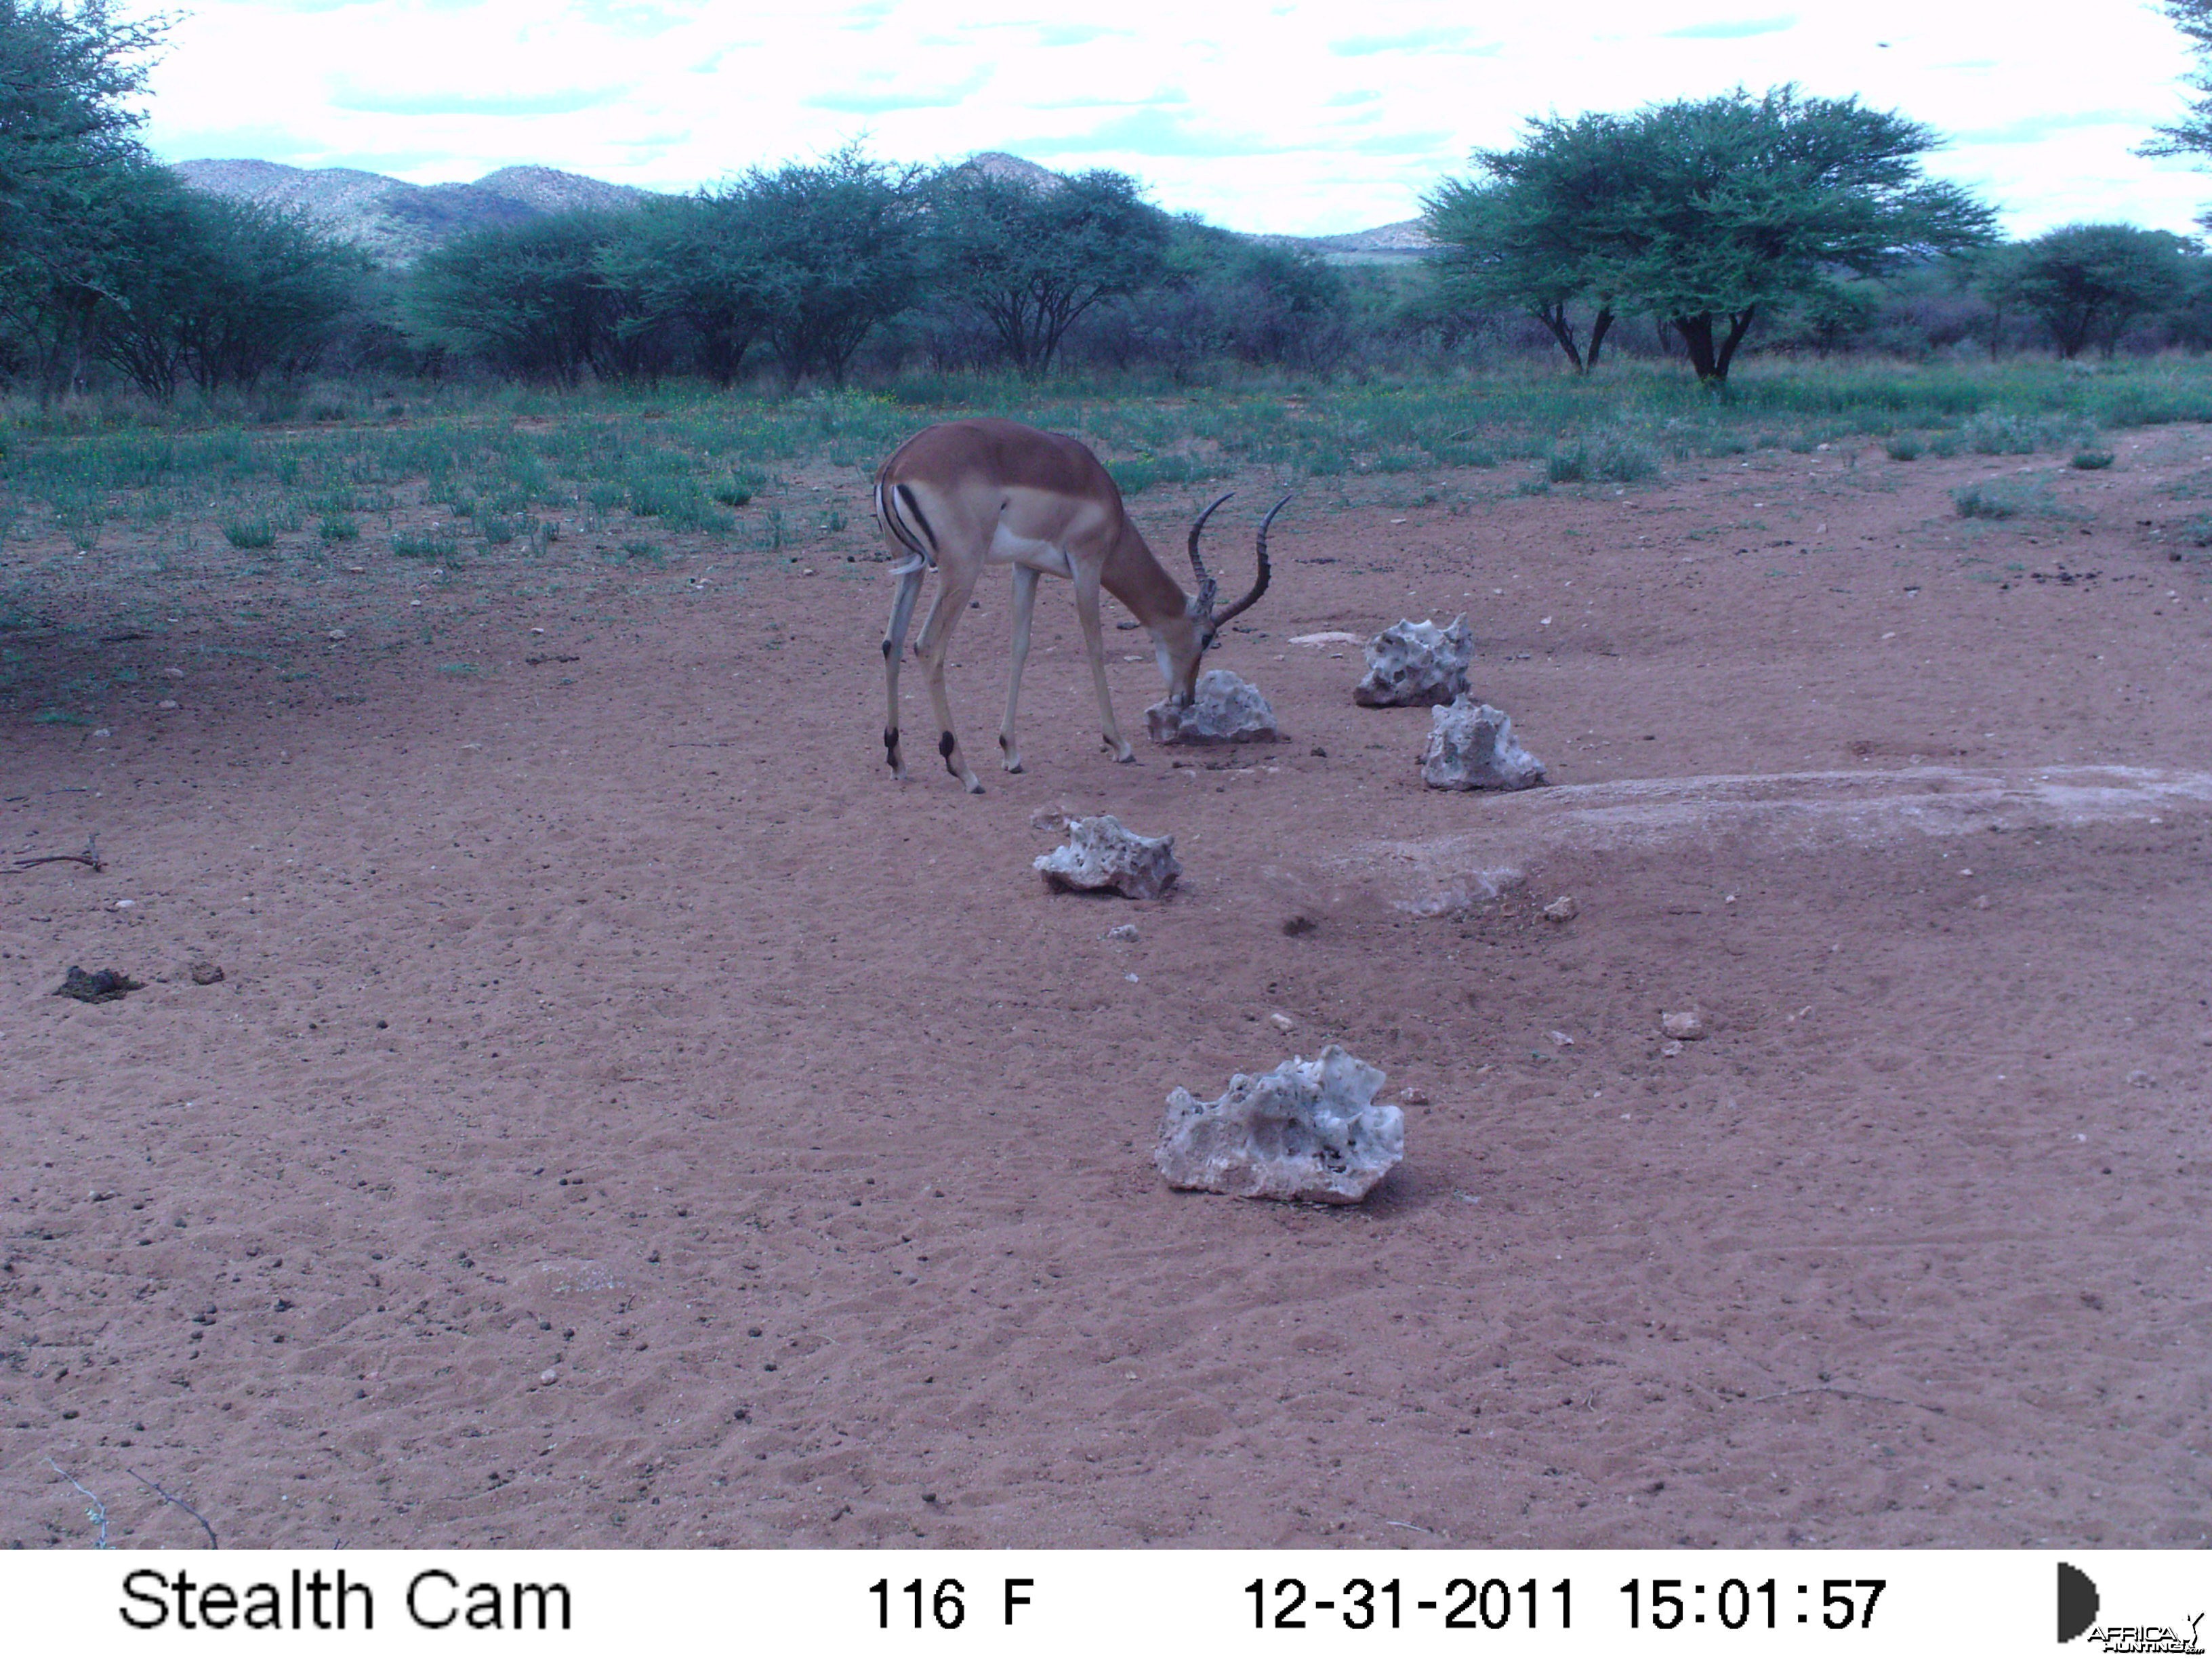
(628, 1118)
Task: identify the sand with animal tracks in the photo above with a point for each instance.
(628, 1118)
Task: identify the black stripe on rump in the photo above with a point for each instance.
(914, 506)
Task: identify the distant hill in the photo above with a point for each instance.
(1405, 239)
(398, 222)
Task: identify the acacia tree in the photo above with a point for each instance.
(2192, 134)
(67, 152)
(838, 250)
(1531, 233)
(1706, 211)
(1032, 258)
(527, 298)
(694, 265)
(2088, 283)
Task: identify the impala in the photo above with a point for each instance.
(958, 497)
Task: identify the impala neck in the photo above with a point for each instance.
(1133, 574)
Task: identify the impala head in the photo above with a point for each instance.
(1182, 643)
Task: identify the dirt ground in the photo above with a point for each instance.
(627, 1117)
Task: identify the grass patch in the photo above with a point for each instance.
(2006, 498)
(1904, 446)
(1611, 457)
(1135, 477)
(407, 546)
(337, 527)
(248, 534)
(2091, 460)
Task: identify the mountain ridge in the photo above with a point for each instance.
(396, 222)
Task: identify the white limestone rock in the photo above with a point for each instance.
(1308, 1129)
(1101, 857)
(1412, 664)
(1472, 746)
(1226, 709)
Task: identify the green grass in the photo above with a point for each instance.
(2006, 498)
(593, 459)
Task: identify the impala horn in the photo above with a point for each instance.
(1258, 586)
(1207, 585)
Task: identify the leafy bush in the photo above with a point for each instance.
(250, 533)
(338, 528)
(2091, 460)
(1904, 446)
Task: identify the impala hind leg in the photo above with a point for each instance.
(1025, 587)
(894, 649)
(1094, 641)
(953, 589)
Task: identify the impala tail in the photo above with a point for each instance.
(895, 505)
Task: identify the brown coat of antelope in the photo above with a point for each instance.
(960, 495)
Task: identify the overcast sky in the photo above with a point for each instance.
(1306, 118)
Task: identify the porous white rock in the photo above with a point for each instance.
(1472, 746)
(1309, 1129)
(1223, 708)
(1411, 664)
(1101, 857)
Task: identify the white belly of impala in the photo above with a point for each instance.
(1006, 547)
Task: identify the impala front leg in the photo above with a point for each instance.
(1025, 587)
(1094, 641)
(954, 587)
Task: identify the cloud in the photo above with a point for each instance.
(2033, 129)
(1396, 143)
(859, 101)
(1156, 132)
(636, 20)
(1435, 39)
(1072, 34)
(1141, 100)
(346, 95)
(1740, 30)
